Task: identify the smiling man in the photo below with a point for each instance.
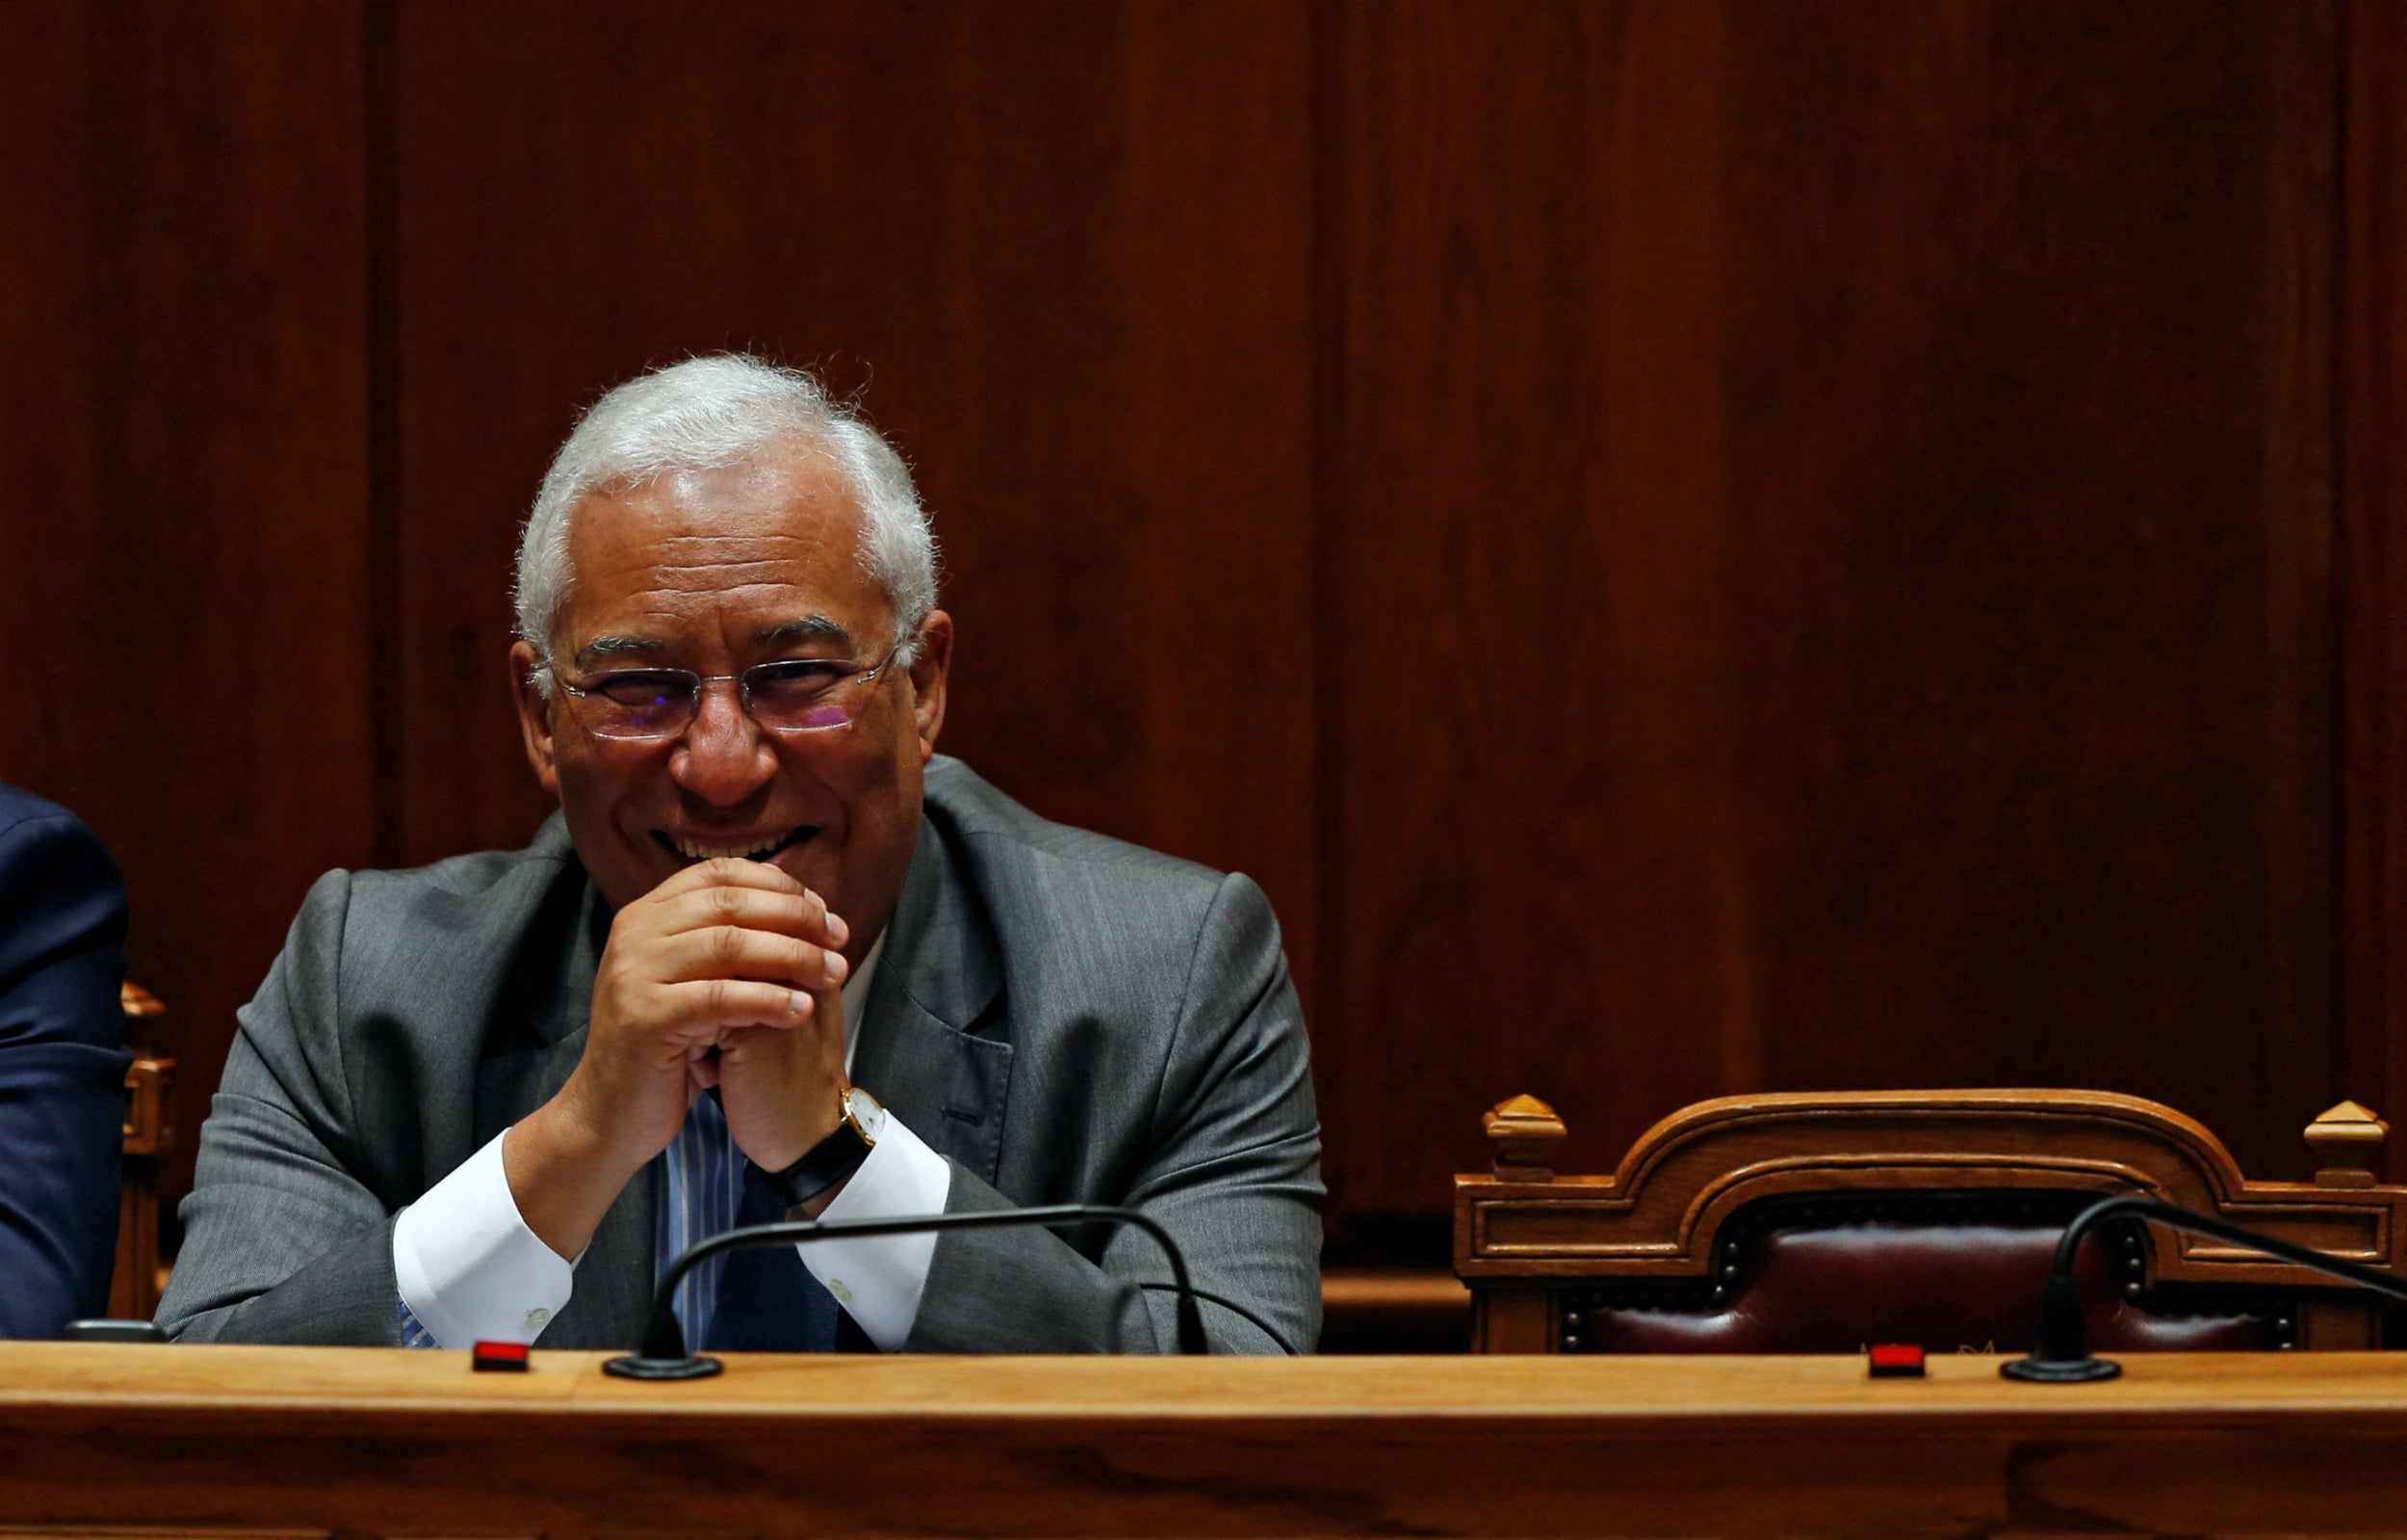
(773, 957)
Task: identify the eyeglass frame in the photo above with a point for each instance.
(743, 695)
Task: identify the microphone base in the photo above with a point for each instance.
(2059, 1371)
(634, 1366)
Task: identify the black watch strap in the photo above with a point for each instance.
(822, 1166)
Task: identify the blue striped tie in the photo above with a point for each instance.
(769, 1302)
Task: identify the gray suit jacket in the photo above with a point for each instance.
(1068, 1019)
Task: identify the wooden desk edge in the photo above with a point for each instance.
(233, 1442)
(144, 1382)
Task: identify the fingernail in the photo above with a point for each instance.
(797, 1003)
(835, 968)
(837, 931)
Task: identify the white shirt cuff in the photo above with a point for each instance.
(469, 1269)
(878, 1280)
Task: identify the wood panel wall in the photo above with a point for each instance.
(1692, 546)
(185, 546)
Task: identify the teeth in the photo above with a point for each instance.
(693, 851)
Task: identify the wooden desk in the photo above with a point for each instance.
(95, 1440)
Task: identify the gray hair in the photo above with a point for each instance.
(703, 414)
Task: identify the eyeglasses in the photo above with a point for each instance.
(792, 695)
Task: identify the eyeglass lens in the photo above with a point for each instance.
(799, 695)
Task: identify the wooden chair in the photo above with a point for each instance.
(149, 1132)
(1822, 1222)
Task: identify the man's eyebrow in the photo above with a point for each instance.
(808, 628)
(602, 647)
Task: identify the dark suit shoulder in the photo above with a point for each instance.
(18, 805)
(976, 812)
(458, 917)
(1094, 928)
(41, 840)
(60, 891)
(473, 876)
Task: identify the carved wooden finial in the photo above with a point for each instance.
(1525, 1133)
(2347, 1146)
(138, 1002)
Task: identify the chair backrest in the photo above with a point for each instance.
(1822, 1222)
(134, 1289)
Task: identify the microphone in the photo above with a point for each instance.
(2063, 1354)
(663, 1356)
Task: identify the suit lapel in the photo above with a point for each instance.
(934, 1045)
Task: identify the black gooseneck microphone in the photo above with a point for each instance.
(664, 1354)
(2063, 1353)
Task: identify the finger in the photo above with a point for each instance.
(714, 1006)
(804, 914)
(729, 871)
(733, 952)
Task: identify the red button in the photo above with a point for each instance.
(505, 1356)
(1891, 1360)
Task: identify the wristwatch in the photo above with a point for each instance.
(837, 1156)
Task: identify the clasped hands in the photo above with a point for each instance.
(728, 974)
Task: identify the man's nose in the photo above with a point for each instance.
(724, 756)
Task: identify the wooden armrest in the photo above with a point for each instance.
(149, 1108)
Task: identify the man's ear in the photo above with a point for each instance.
(928, 674)
(535, 717)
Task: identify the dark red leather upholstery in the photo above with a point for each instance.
(1836, 1284)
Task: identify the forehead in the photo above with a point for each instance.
(769, 540)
